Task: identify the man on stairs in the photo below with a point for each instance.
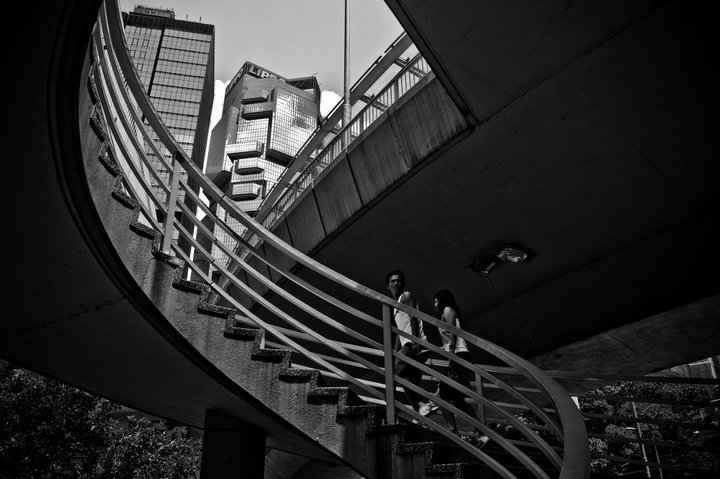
(395, 281)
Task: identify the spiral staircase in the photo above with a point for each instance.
(99, 298)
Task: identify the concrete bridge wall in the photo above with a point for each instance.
(404, 138)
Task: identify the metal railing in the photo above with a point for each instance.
(339, 349)
(658, 426)
(372, 78)
(411, 74)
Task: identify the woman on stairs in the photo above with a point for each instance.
(449, 312)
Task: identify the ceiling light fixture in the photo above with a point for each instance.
(512, 254)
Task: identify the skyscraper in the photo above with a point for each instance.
(265, 120)
(175, 60)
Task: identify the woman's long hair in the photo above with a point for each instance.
(445, 298)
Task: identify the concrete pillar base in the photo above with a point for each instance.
(231, 449)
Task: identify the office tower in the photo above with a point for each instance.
(266, 119)
(175, 60)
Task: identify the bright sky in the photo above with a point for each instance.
(293, 38)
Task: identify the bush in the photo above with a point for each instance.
(51, 430)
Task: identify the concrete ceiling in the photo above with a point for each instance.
(592, 140)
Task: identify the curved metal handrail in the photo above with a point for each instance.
(358, 350)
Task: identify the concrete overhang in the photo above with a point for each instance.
(592, 143)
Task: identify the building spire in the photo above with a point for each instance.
(346, 66)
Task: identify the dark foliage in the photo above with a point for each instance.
(678, 420)
(51, 430)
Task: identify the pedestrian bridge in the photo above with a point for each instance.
(94, 298)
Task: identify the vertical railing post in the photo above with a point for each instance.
(479, 391)
(171, 207)
(657, 458)
(388, 350)
(640, 438)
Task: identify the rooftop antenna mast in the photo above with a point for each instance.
(346, 79)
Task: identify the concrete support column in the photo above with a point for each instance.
(231, 449)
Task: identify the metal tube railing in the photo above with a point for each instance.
(358, 349)
(658, 415)
(389, 367)
(388, 96)
(171, 207)
(399, 46)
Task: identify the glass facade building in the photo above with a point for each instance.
(175, 60)
(266, 119)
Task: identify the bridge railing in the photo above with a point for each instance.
(356, 349)
(414, 71)
(362, 91)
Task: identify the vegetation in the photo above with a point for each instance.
(51, 430)
(683, 429)
(681, 424)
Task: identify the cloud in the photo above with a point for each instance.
(328, 100)
(218, 102)
(216, 112)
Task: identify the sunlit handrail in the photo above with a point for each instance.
(358, 350)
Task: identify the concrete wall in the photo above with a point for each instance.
(405, 136)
